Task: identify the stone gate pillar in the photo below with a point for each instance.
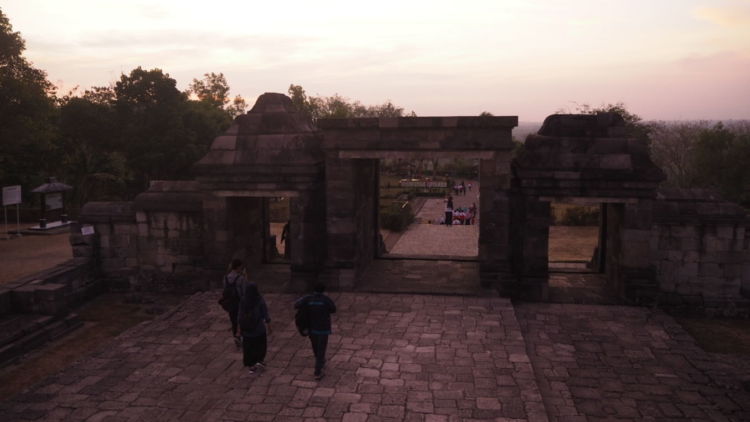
(494, 219)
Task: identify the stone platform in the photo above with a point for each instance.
(399, 357)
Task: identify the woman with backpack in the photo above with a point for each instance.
(252, 318)
(230, 298)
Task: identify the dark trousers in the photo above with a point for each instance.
(233, 319)
(253, 350)
(319, 346)
(449, 218)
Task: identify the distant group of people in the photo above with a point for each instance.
(461, 188)
(453, 216)
(251, 322)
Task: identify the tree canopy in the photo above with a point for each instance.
(27, 112)
(337, 106)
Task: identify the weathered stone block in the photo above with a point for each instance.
(716, 244)
(733, 270)
(630, 236)
(83, 251)
(709, 270)
(616, 162)
(50, 298)
(687, 271)
(124, 229)
(23, 299)
(221, 235)
(113, 264)
(103, 228)
(5, 303)
(686, 289)
(683, 231)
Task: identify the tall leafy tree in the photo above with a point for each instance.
(27, 114)
(150, 110)
(634, 124)
(213, 89)
(720, 158)
(238, 106)
(90, 161)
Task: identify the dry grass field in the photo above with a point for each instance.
(27, 255)
(572, 243)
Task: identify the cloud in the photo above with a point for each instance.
(732, 16)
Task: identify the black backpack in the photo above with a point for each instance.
(302, 320)
(249, 319)
(230, 299)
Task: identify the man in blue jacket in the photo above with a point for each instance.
(319, 308)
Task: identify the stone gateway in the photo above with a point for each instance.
(656, 245)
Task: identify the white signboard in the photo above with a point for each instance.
(54, 201)
(87, 230)
(12, 195)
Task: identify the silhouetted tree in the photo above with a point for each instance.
(27, 114)
(337, 106)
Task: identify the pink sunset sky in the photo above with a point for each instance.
(665, 59)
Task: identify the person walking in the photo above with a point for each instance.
(230, 298)
(318, 309)
(285, 240)
(254, 323)
(449, 211)
(473, 213)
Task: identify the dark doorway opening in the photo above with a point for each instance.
(577, 254)
(254, 228)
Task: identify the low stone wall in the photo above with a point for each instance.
(703, 252)
(154, 243)
(111, 248)
(53, 291)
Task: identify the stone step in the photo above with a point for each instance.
(24, 333)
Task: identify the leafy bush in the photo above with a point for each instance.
(580, 216)
(396, 217)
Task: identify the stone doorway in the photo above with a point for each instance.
(253, 233)
(278, 221)
(578, 236)
(412, 211)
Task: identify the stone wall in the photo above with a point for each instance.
(169, 237)
(341, 226)
(152, 243)
(353, 148)
(586, 159)
(366, 212)
(113, 246)
(703, 252)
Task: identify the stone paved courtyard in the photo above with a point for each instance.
(393, 357)
(400, 357)
(622, 363)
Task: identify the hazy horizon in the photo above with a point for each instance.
(673, 60)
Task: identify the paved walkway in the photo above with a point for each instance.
(424, 277)
(621, 363)
(393, 357)
(400, 357)
(438, 240)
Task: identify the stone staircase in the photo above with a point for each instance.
(36, 309)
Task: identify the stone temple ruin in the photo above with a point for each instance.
(676, 247)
